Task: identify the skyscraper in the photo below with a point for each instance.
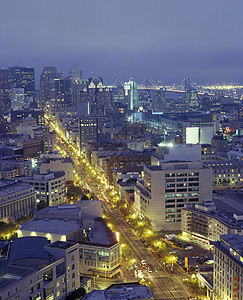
(63, 92)
(24, 77)
(47, 85)
(5, 91)
(75, 74)
(17, 98)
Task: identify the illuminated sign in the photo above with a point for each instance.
(235, 287)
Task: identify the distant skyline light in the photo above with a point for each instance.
(166, 39)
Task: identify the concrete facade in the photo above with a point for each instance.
(167, 188)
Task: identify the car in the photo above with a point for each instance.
(209, 261)
(195, 256)
(143, 262)
(149, 270)
(172, 252)
(188, 247)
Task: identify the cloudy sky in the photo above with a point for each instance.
(166, 39)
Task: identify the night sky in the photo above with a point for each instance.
(166, 39)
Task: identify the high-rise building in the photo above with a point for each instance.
(98, 96)
(167, 188)
(131, 90)
(5, 91)
(63, 92)
(17, 98)
(24, 77)
(47, 85)
(75, 74)
(88, 131)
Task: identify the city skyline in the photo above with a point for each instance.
(166, 39)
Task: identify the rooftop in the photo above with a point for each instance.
(61, 245)
(8, 187)
(121, 292)
(28, 247)
(52, 226)
(10, 274)
(227, 205)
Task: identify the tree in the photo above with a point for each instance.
(80, 292)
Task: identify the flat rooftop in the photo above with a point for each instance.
(227, 204)
(101, 234)
(121, 292)
(52, 226)
(8, 187)
(9, 274)
(61, 245)
(53, 212)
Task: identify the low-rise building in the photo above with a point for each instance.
(50, 187)
(99, 251)
(17, 199)
(206, 222)
(226, 172)
(228, 267)
(36, 269)
(123, 291)
(166, 189)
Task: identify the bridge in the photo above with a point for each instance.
(149, 84)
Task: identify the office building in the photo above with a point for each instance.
(21, 114)
(75, 74)
(131, 92)
(24, 77)
(17, 98)
(199, 135)
(59, 164)
(167, 188)
(88, 131)
(207, 221)
(63, 92)
(98, 96)
(17, 199)
(226, 172)
(5, 91)
(47, 85)
(99, 251)
(228, 267)
(36, 269)
(50, 187)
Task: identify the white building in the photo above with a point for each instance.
(167, 188)
(199, 134)
(228, 267)
(59, 164)
(35, 269)
(99, 250)
(17, 199)
(50, 187)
